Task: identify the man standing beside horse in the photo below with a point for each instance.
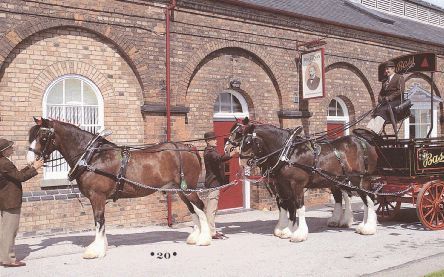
(215, 177)
(389, 96)
(11, 201)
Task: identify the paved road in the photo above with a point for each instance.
(398, 249)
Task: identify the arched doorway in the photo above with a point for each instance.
(230, 105)
(337, 118)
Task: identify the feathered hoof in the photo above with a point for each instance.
(359, 228)
(192, 238)
(368, 230)
(204, 241)
(299, 237)
(90, 254)
(283, 234)
(345, 224)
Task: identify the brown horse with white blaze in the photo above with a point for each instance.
(148, 169)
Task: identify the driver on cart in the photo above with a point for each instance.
(389, 96)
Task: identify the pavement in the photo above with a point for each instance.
(401, 248)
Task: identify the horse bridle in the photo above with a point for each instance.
(48, 137)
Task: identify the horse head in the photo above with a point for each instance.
(42, 139)
(251, 145)
(236, 135)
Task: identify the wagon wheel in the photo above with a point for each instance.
(430, 205)
(387, 209)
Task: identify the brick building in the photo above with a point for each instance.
(101, 64)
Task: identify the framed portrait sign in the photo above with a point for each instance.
(313, 82)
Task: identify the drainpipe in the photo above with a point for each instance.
(168, 11)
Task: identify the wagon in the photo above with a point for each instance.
(413, 165)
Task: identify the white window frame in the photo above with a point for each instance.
(100, 103)
(345, 119)
(225, 115)
(422, 105)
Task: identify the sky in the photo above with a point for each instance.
(439, 3)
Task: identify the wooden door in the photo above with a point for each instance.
(232, 196)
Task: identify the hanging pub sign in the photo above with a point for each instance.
(419, 62)
(313, 81)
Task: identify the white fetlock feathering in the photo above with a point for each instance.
(204, 238)
(194, 236)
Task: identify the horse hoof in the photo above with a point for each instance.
(204, 241)
(345, 224)
(89, 255)
(192, 239)
(298, 238)
(368, 230)
(359, 228)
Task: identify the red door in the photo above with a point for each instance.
(232, 196)
(335, 129)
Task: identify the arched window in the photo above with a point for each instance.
(337, 117)
(230, 104)
(73, 99)
(335, 108)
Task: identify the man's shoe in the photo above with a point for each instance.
(13, 264)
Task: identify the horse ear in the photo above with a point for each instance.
(38, 120)
(246, 120)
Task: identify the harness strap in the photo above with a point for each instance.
(341, 161)
(316, 150)
(121, 176)
(365, 156)
(182, 182)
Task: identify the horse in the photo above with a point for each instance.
(106, 176)
(296, 171)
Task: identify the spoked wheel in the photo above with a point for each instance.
(430, 205)
(387, 208)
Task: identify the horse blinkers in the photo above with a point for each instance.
(47, 138)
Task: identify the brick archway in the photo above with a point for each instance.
(357, 72)
(19, 33)
(276, 75)
(45, 78)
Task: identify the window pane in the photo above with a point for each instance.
(332, 108)
(237, 107)
(72, 91)
(89, 97)
(225, 102)
(217, 105)
(339, 111)
(55, 95)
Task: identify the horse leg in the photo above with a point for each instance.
(369, 227)
(301, 232)
(335, 218)
(347, 218)
(201, 231)
(97, 249)
(194, 235)
(281, 230)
